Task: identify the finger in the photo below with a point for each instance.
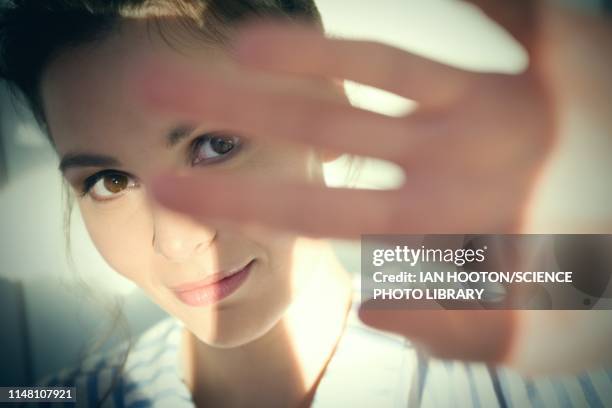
(518, 17)
(299, 50)
(279, 205)
(259, 111)
(477, 335)
(332, 212)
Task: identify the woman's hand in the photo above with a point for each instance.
(473, 151)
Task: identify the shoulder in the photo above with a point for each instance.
(136, 372)
(592, 388)
(383, 369)
(443, 383)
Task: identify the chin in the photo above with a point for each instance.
(232, 333)
(229, 338)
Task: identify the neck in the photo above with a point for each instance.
(281, 368)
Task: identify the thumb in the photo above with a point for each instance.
(475, 335)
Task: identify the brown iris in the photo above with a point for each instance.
(115, 183)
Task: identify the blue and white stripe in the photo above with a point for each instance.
(369, 369)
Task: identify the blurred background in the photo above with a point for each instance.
(48, 316)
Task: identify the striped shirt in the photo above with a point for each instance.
(369, 369)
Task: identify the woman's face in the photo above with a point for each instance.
(110, 141)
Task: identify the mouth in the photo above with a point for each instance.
(214, 288)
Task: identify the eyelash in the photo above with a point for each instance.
(91, 181)
(194, 147)
(197, 143)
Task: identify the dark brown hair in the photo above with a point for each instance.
(34, 32)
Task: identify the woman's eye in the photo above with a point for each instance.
(212, 148)
(108, 186)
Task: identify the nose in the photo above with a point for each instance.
(178, 238)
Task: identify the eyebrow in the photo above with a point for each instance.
(72, 160)
(177, 134)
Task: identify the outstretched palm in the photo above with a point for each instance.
(473, 151)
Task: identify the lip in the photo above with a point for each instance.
(212, 289)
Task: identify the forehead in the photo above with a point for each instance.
(88, 101)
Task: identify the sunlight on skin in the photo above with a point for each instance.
(159, 249)
(475, 151)
(312, 336)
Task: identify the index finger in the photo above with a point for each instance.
(476, 335)
(250, 107)
(303, 51)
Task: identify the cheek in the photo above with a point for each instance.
(285, 264)
(122, 233)
(281, 251)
